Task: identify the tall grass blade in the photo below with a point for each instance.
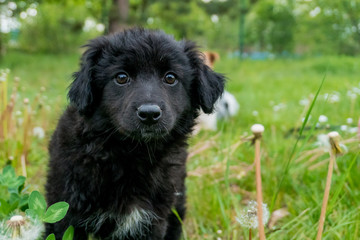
(286, 170)
(181, 222)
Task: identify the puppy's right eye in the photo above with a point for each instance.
(122, 78)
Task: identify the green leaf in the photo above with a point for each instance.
(14, 198)
(8, 176)
(51, 237)
(31, 213)
(5, 207)
(56, 212)
(37, 203)
(69, 234)
(14, 206)
(15, 184)
(24, 200)
(8, 172)
(10, 180)
(20, 180)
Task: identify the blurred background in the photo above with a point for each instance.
(254, 28)
(292, 65)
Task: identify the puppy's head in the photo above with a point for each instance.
(145, 83)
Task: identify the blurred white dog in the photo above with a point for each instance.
(226, 107)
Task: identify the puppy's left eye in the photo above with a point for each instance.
(122, 78)
(170, 79)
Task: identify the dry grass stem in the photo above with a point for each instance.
(307, 154)
(334, 150)
(319, 164)
(199, 149)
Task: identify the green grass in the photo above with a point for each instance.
(221, 178)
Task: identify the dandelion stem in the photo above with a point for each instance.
(326, 196)
(250, 233)
(26, 126)
(333, 151)
(257, 130)
(259, 189)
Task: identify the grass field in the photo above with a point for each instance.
(276, 93)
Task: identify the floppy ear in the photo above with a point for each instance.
(208, 85)
(81, 93)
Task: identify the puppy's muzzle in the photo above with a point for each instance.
(149, 113)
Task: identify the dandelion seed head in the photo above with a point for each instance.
(33, 231)
(29, 229)
(356, 90)
(248, 217)
(349, 120)
(353, 130)
(351, 94)
(334, 98)
(343, 128)
(304, 102)
(16, 218)
(39, 132)
(279, 106)
(333, 134)
(323, 119)
(323, 142)
(257, 128)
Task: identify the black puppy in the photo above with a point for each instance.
(118, 153)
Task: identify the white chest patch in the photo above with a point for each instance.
(135, 224)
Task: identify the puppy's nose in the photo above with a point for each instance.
(149, 113)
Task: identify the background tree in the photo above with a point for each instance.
(271, 27)
(118, 15)
(286, 26)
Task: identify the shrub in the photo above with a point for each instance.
(54, 29)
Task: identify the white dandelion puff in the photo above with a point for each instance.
(257, 128)
(323, 119)
(351, 94)
(39, 132)
(353, 130)
(356, 90)
(279, 106)
(334, 98)
(344, 128)
(248, 217)
(304, 102)
(20, 228)
(323, 140)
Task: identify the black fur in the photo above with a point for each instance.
(103, 160)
